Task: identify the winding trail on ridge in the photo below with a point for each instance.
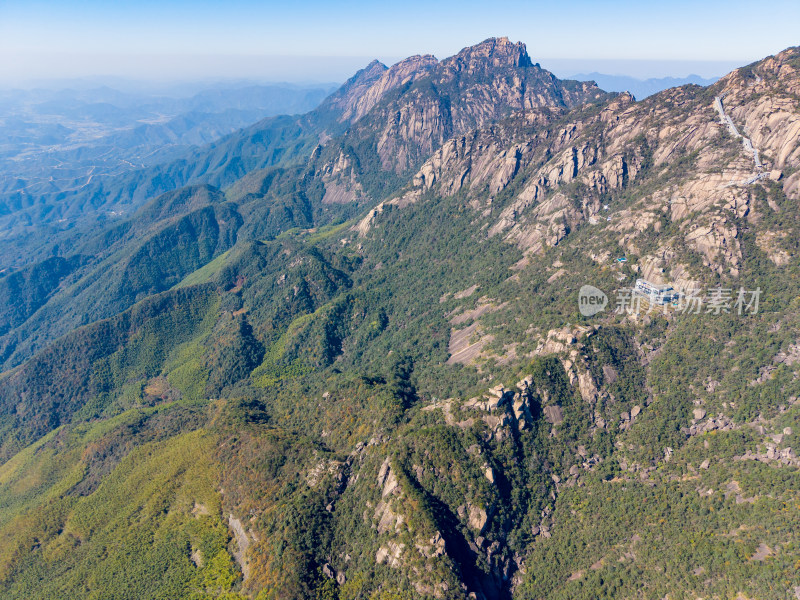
(746, 142)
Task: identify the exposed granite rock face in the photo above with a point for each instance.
(242, 545)
(407, 112)
(390, 553)
(402, 73)
(340, 181)
(345, 99)
(491, 53)
(763, 101)
(477, 517)
(467, 343)
(559, 175)
(401, 545)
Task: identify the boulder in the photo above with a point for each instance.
(477, 517)
(489, 473)
(497, 391)
(390, 554)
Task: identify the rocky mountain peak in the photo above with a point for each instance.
(491, 53)
(345, 98)
(414, 106)
(369, 73)
(408, 69)
(780, 70)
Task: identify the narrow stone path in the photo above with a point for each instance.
(726, 120)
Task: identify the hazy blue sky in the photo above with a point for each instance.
(326, 41)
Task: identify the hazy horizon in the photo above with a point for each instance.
(183, 41)
(333, 72)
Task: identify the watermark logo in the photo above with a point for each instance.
(714, 301)
(646, 297)
(591, 300)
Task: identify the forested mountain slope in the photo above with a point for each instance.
(456, 93)
(363, 373)
(275, 179)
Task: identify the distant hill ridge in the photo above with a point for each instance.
(640, 88)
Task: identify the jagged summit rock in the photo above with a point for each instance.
(490, 53)
(345, 98)
(401, 73)
(409, 110)
(502, 70)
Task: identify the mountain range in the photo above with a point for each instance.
(56, 141)
(343, 354)
(641, 88)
